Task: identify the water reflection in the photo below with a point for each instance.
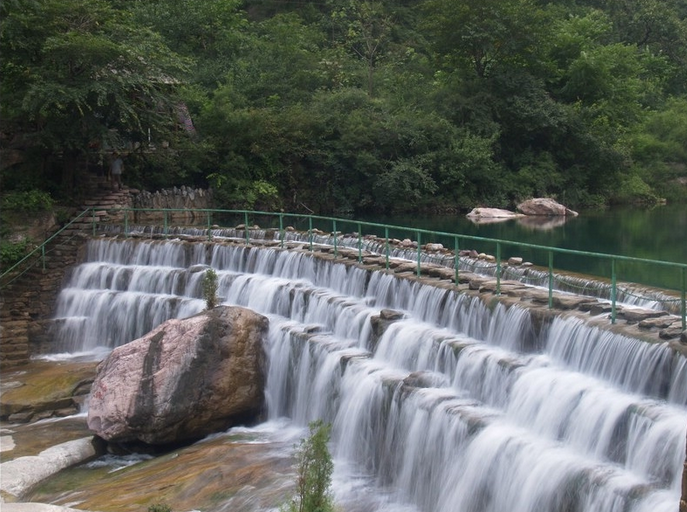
(489, 220)
(543, 223)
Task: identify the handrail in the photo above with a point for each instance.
(612, 258)
(40, 248)
(458, 238)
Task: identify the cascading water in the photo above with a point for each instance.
(456, 407)
(626, 293)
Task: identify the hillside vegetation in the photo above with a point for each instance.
(350, 106)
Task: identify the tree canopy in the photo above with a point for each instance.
(353, 106)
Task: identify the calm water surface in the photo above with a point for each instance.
(659, 233)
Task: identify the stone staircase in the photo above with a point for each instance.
(107, 201)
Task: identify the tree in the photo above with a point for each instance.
(314, 472)
(78, 74)
(365, 29)
(482, 34)
(210, 32)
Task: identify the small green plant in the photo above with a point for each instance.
(314, 472)
(159, 507)
(13, 252)
(210, 288)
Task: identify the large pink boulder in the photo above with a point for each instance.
(544, 206)
(183, 380)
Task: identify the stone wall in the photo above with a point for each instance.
(27, 300)
(184, 198)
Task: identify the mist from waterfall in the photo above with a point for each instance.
(457, 407)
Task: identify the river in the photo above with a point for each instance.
(658, 233)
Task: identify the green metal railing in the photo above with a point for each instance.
(38, 255)
(134, 214)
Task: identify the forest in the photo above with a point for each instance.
(349, 106)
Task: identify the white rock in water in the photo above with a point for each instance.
(21, 474)
(492, 213)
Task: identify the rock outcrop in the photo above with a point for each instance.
(183, 380)
(544, 206)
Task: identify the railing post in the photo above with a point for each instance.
(126, 223)
(209, 225)
(93, 218)
(336, 239)
(498, 268)
(550, 279)
(310, 232)
(360, 243)
(166, 229)
(245, 227)
(281, 230)
(386, 237)
(613, 291)
(43, 255)
(419, 253)
(684, 301)
(456, 259)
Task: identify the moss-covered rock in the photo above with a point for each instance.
(44, 389)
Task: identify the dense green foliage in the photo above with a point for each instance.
(13, 252)
(351, 106)
(26, 201)
(14, 207)
(313, 472)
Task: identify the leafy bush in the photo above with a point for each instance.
(314, 473)
(159, 507)
(210, 288)
(27, 201)
(13, 252)
(633, 189)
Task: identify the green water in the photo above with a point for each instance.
(659, 234)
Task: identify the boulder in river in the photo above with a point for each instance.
(544, 206)
(492, 213)
(183, 380)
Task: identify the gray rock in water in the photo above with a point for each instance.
(183, 380)
(544, 206)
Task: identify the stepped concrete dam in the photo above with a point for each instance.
(446, 391)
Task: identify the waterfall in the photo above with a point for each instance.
(457, 406)
(626, 293)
